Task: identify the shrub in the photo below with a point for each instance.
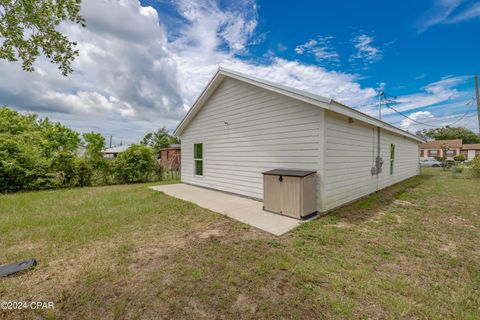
(475, 167)
(459, 158)
(85, 173)
(136, 164)
(65, 166)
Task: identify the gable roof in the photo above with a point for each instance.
(117, 149)
(314, 99)
(437, 144)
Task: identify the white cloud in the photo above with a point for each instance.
(320, 48)
(366, 51)
(448, 12)
(471, 12)
(136, 73)
(410, 124)
(435, 93)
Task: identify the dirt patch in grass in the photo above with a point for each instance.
(136, 254)
(369, 208)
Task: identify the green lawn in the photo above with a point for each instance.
(126, 252)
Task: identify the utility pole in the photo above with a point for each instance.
(380, 94)
(110, 141)
(478, 102)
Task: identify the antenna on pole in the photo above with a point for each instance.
(380, 95)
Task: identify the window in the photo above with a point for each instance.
(433, 153)
(198, 158)
(450, 153)
(392, 157)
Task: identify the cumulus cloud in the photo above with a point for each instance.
(410, 122)
(320, 48)
(136, 72)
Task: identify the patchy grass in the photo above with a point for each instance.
(126, 252)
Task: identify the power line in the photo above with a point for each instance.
(426, 124)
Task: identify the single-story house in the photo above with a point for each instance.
(240, 127)
(170, 157)
(471, 150)
(432, 149)
(113, 152)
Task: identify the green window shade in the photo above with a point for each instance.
(198, 150)
(198, 158)
(392, 157)
(199, 167)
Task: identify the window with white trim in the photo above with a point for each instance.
(198, 158)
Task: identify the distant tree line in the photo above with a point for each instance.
(449, 133)
(41, 154)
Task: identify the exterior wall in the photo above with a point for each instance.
(427, 153)
(246, 130)
(350, 154)
(471, 154)
(170, 159)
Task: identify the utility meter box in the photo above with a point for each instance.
(290, 192)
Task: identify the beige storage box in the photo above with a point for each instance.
(290, 192)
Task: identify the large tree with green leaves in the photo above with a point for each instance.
(28, 29)
(448, 133)
(159, 139)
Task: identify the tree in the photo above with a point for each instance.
(159, 139)
(95, 143)
(147, 139)
(57, 138)
(28, 28)
(448, 133)
(136, 164)
(445, 149)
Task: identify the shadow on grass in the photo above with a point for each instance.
(369, 206)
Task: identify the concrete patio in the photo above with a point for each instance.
(242, 209)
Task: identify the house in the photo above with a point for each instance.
(241, 126)
(471, 151)
(113, 152)
(432, 149)
(170, 157)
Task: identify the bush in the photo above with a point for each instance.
(65, 166)
(136, 164)
(475, 167)
(459, 158)
(85, 173)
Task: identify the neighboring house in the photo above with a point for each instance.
(432, 149)
(112, 153)
(471, 150)
(170, 157)
(241, 126)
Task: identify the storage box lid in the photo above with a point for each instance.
(289, 173)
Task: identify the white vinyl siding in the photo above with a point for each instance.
(350, 152)
(246, 130)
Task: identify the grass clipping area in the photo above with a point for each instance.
(127, 252)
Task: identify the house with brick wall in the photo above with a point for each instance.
(433, 149)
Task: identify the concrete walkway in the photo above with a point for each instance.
(242, 209)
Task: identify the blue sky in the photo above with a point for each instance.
(142, 64)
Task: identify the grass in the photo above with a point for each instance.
(127, 252)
